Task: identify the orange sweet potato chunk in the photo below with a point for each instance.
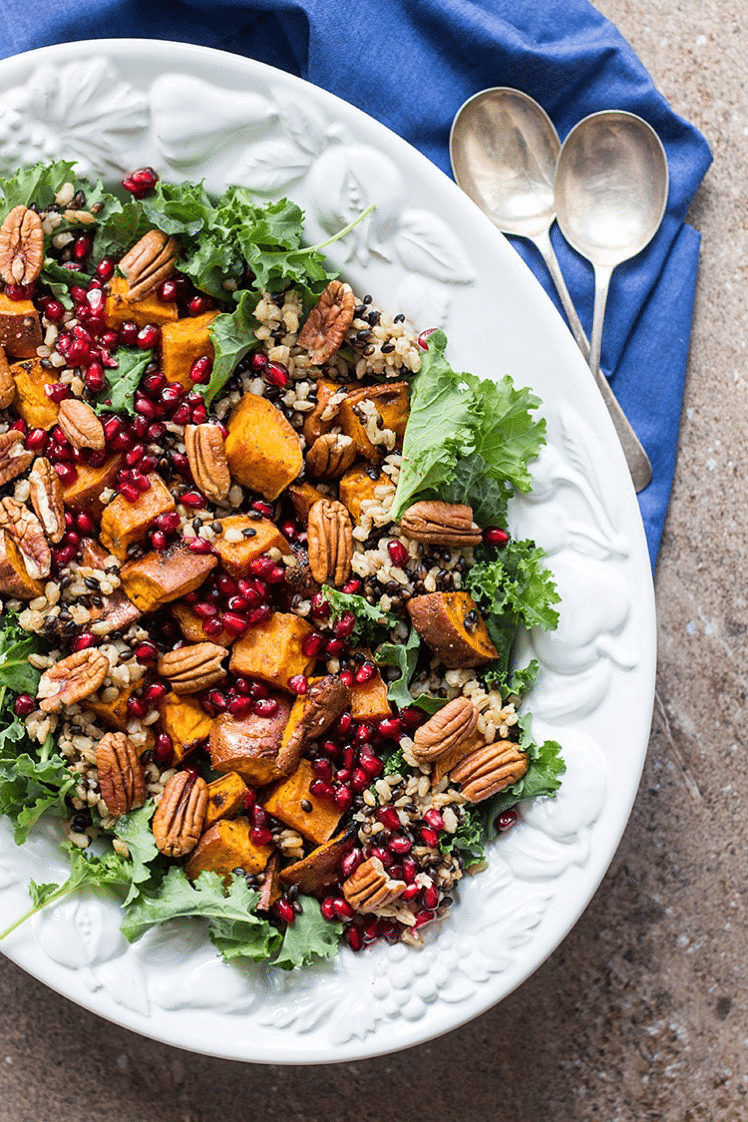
(319, 870)
(272, 651)
(116, 609)
(450, 623)
(191, 627)
(37, 410)
(159, 578)
(261, 535)
(15, 582)
(392, 404)
(288, 802)
(226, 846)
(124, 524)
(118, 309)
(225, 798)
(369, 700)
(181, 343)
(358, 484)
(83, 493)
(112, 713)
(262, 449)
(20, 328)
(304, 496)
(185, 721)
(250, 745)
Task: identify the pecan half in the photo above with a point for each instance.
(75, 677)
(490, 769)
(178, 821)
(80, 424)
(327, 323)
(330, 541)
(206, 454)
(121, 775)
(369, 888)
(46, 498)
(21, 246)
(453, 725)
(25, 529)
(193, 668)
(438, 523)
(7, 381)
(150, 261)
(14, 458)
(330, 456)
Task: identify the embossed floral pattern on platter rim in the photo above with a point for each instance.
(428, 251)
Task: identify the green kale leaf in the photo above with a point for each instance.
(233, 337)
(309, 938)
(404, 657)
(134, 829)
(179, 208)
(371, 620)
(119, 230)
(118, 396)
(468, 838)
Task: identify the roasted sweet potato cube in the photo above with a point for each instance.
(124, 524)
(20, 328)
(311, 715)
(159, 578)
(250, 745)
(258, 536)
(270, 890)
(116, 609)
(450, 623)
(84, 492)
(272, 651)
(185, 721)
(361, 483)
(303, 497)
(15, 582)
(112, 713)
(225, 798)
(226, 846)
(191, 627)
(181, 343)
(118, 309)
(262, 449)
(319, 870)
(290, 798)
(391, 403)
(31, 402)
(369, 700)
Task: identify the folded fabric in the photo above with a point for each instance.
(411, 64)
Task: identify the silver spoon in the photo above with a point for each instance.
(504, 148)
(611, 192)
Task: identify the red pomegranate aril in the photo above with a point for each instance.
(276, 374)
(139, 481)
(95, 378)
(171, 393)
(112, 427)
(62, 343)
(506, 821)
(163, 749)
(365, 672)
(226, 585)
(240, 706)
(390, 728)
(343, 909)
(342, 797)
(139, 426)
(84, 641)
(84, 523)
(192, 499)
(389, 817)
(66, 472)
(128, 334)
(363, 733)
(265, 707)
(140, 182)
(410, 869)
(494, 535)
(129, 492)
(353, 586)
(434, 819)
(262, 615)
(258, 690)
(372, 765)
(250, 798)
(312, 645)
(148, 464)
(216, 698)
(398, 553)
(199, 415)
(154, 382)
(322, 769)
(108, 339)
(258, 362)
(425, 916)
(261, 835)
(359, 780)
(54, 311)
(78, 293)
(345, 626)
(148, 337)
(135, 454)
(389, 931)
(63, 556)
(410, 892)
(429, 837)
(36, 440)
(105, 269)
(321, 790)
(234, 623)
(423, 338)
(201, 370)
(283, 911)
(155, 432)
(199, 545)
(320, 607)
(382, 855)
(167, 522)
(144, 406)
(334, 647)
(412, 717)
(212, 628)
(298, 683)
(79, 352)
(327, 908)
(430, 898)
(343, 724)
(81, 247)
(121, 441)
(57, 391)
(400, 845)
(182, 415)
(156, 692)
(353, 937)
(205, 610)
(346, 677)
(24, 704)
(351, 862)
(167, 292)
(146, 652)
(198, 305)
(136, 707)
(260, 816)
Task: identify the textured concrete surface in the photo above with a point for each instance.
(642, 1013)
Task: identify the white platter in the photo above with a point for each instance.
(427, 251)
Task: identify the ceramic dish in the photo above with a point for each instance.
(427, 252)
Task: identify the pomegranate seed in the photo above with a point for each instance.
(128, 333)
(199, 545)
(389, 817)
(424, 917)
(199, 304)
(410, 869)
(353, 586)
(343, 909)
(78, 352)
(144, 406)
(312, 645)
(167, 292)
(342, 797)
(351, 862)
(212, 628)
(135, 454)
(146, 652)
(167, 522)
(260, 816)
(261, 836)
(24, 291)
(298, 683)
(140, 182)
(121, 442)
(129, 492)
(227, 586)
(78, 293)
(494, 535)
(156, 431)
(346, 677)
(258, 690)
(434, 819)
(147, 464)
(265, 706)
(276, 374)
(365, 672)
(159, 541)
(398, 553)
(216, 698)
(345, 625)
(139, 427)
(57, 391)
(136, 707)
(370, 931)
(506, 821)
(423, 338)
(182, 415)
(240, 706)
(105, 269)
(410, 892)
(320, 607)
(65, 555)
(258, 362)
(412, 717)
(430, 898)
(36, 440)
(400, 845)
(322, 769)
(260, 615)
(283, 911)
(81, 248)
(193, 499)
(234, 623)
(334, 647)
(363, 733)
(139, 481)
(201, 370)
(199, 415)
(85, 523)
(156, 692)
(67, 474)
(321, 790)
(205, 610)
(163, 749)
(108, 339)
(359, 780)
(372, 765)
(83, 641)
(24, 704)
(54, 311)
(343, 725)
(327, 907)
(354, 938)
(95, 378)
(250, 798)
(148, 337)
(390, 728)
(429, 837)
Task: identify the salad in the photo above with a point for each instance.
(258, 595)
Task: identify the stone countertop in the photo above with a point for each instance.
(642, 1012)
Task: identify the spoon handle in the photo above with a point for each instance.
(543, 243)
(603, 273)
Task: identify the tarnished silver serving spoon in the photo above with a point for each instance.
(611, 191)
(504, 148)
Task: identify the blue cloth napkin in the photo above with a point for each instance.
(411, 64)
